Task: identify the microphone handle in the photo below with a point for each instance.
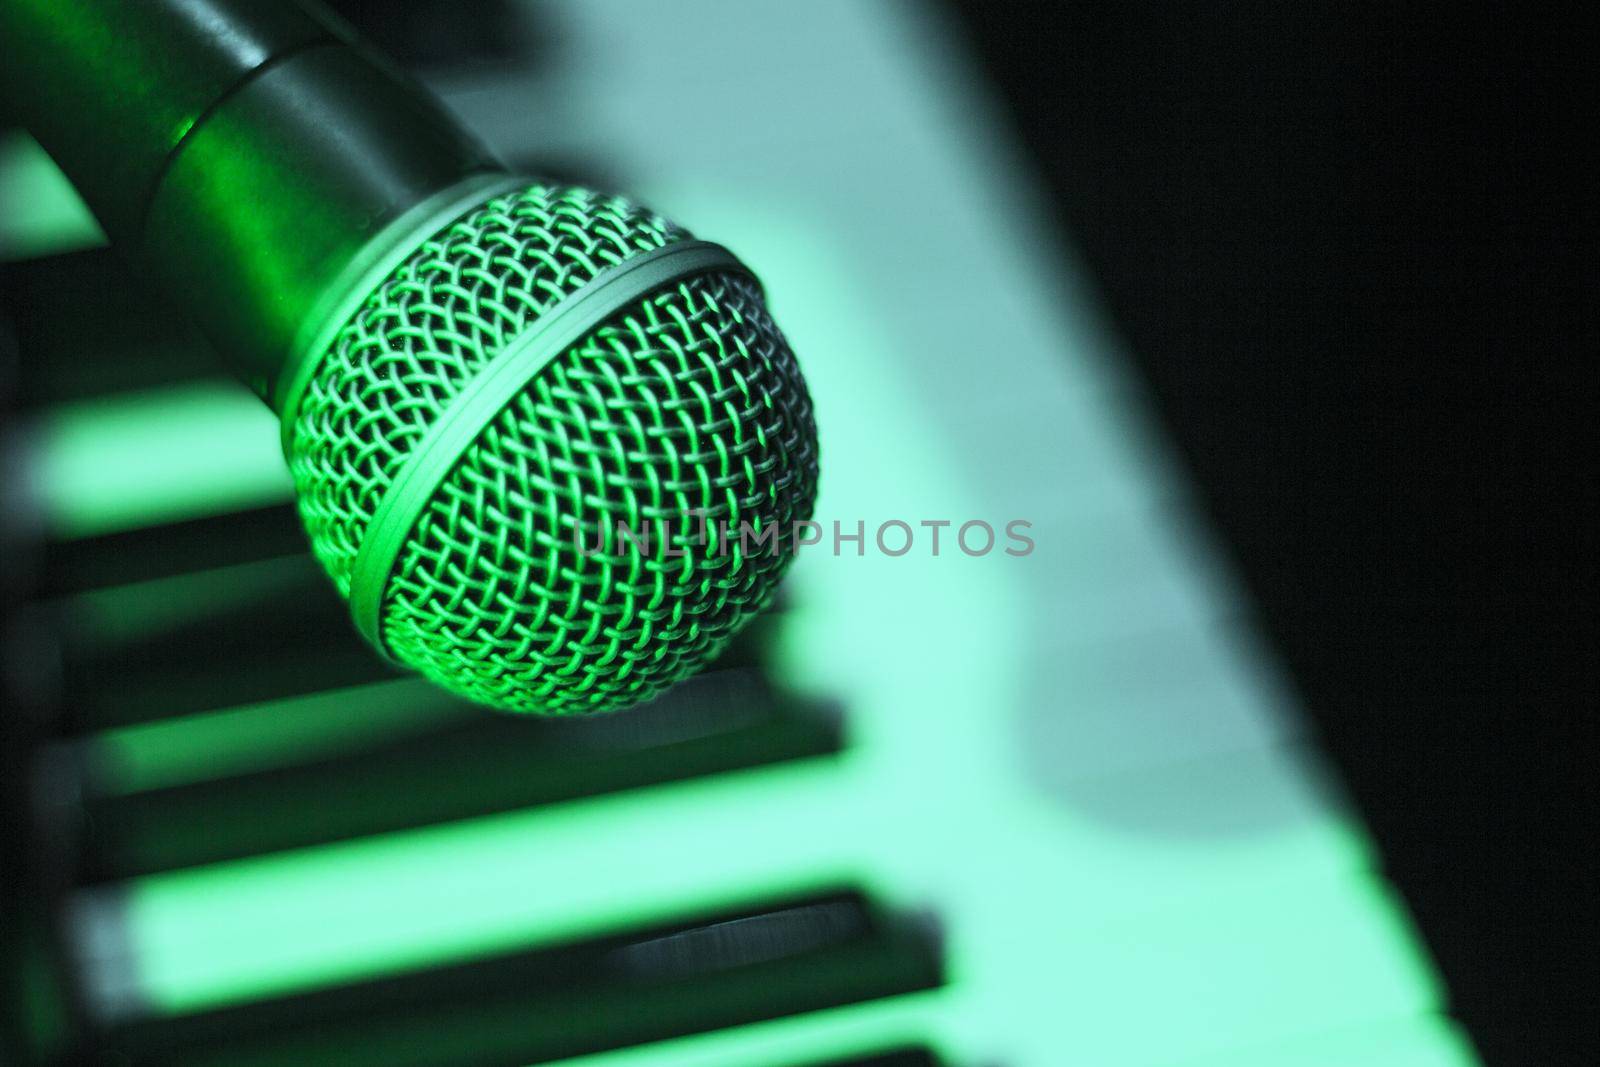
(243, 154)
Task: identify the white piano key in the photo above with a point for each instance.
(134, 460)
(1107, 704)
(1419, 1041)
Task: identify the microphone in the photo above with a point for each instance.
(513, 410)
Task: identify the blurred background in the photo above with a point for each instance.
(1276, 323)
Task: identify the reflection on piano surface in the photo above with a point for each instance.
(931, 810)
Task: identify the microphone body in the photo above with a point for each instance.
(478, 375)
(239, 153)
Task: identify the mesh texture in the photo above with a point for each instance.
(679, 414)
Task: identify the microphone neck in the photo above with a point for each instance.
(242, 155)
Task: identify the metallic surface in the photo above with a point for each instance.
(113, 87)
(486, 396)
(239, 152)
(548, 365)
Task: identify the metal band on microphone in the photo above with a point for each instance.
(484, 397)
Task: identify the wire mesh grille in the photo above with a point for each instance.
(680, 415)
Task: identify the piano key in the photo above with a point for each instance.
(1117, 703)
(132, 460)
(40, 212)
(1145, 844)
(1121, 573)
(91, 328)
(270, 735)
(911, 1024)
(199, 641)
(128, 557)
(1422, 1041)
(546, 1002)
(909, 1057)
(469, 763)
(217, 639)
(1150, 989)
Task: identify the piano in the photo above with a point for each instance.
(972, 810)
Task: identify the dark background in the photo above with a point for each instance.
(1353, 252)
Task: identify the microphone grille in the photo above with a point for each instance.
(682, 401)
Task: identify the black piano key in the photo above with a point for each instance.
(85, 326)
(906, 1057)
(531, 1007)
(479, 763)
(129, 556)
(262, 630)
(266, 630)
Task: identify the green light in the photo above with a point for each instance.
(41, 213)
(166, 455)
